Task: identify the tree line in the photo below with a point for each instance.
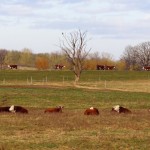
(133, 57)
(45, 61)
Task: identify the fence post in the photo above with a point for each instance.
(105, 84)
(4, 81)
(31, 79)
(63, 79)
(27, 81)
(46, 79)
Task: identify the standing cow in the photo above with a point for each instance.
(100, 67)
(59, 67)
(109, 67)
(147, 68)
(12, 66)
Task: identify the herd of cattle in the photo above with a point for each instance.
(98, 67)
(90, 111)
(105, 67)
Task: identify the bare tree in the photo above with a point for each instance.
(130, 57)
(137, 56)
(74, 45)
(3, 53)
(144, 54)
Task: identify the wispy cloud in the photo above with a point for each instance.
(108, 19)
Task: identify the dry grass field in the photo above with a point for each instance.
(72, 130)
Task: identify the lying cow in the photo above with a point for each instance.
(120, 109)
(91, 111)
(54, 110)
(4, 109)
(18, 109)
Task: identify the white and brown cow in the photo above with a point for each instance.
(147, 68)
(57, 109)
(91, 111)
(109, 67)
(59, 67)
(120, 109)
(12, 66)
(18, 109)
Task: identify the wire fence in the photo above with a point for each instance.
(123, 85)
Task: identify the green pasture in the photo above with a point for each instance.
(72, 98)
(72, 130)
(60, 75)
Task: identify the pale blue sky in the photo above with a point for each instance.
(110, 24)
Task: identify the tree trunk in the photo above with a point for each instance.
(77, 77)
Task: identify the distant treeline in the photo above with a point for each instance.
(133, 58)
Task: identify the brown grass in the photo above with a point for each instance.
(72, 130)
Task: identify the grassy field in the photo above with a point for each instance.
(59, 75)
(71, 130)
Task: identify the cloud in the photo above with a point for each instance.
(105, 18)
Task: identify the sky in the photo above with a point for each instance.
(111, 25)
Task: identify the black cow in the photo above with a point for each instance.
(100, 67)
(4, 109)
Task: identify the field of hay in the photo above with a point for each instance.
(72, 130)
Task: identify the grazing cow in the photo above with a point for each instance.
(110, 67)
(18, 109)
(4, 109)
(54, 110)
(91, 111)
(147, 68)
(120, 109)
(59, 67)
(100, 67)
(12, 66)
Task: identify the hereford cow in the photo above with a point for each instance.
(12, 66)
(120, 109)
(91, 111)
(4, 109)
(18, 109)
(147, 68)
(100, 67)
(54, 110)
(109, 67)
(59, 67)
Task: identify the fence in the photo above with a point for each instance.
(126, 85)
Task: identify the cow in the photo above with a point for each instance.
(18, 109)
(91, 111)
(57, 109)
(120, 109)
(12, 66)
(147, 68)
(59, 67)
(100, 67)
(4, 109)
(109, 67)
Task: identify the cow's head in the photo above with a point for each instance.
(116, 108)
(12, 109)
